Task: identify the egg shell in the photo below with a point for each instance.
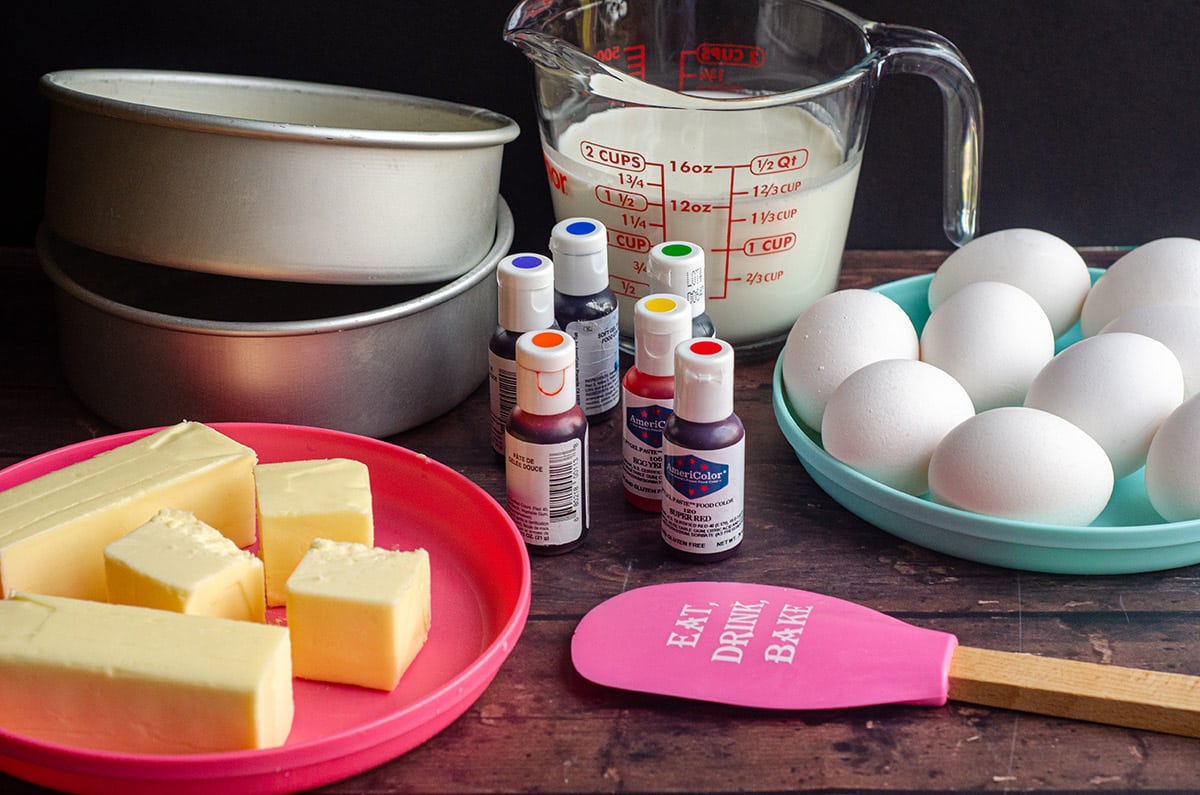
(1175, 325)
(1040, 263)
(837, 334)
(1117, 387)
(994, 338)
(886, 418)
(1173, 465)
(1022, 464)
(1163, 271)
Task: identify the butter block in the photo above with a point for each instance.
(177, 562)
(357, 614)
(137, 680)
(53, 529)
(299, 501)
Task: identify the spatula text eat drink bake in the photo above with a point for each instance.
(783, 648)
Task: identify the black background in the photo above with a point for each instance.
(1091, 110)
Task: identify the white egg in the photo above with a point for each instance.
(1163, 271)
(1041, 264)
(993, 338)
(1117, 387)
(836, 335)
(886, 418)
(1023, 464)
(1175, 325)
(1173, 465)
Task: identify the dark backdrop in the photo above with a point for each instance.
(1091, 106)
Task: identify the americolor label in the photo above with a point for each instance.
(642, 434)
(702, 497)
(645, 420)
(693, 477)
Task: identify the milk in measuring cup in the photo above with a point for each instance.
(763, 191)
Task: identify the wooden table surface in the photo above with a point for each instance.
(540, 728)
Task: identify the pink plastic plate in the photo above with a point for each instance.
(481, 593)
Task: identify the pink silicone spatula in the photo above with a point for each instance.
(784, 648)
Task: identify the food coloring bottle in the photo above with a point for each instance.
(546, 446)
(660, 323)
(677, 268)
(585, 308)
(525, 302)
(703, 456)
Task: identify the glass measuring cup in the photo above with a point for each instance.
(737, 125)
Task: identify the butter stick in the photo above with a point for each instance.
(299, 501)
(53, 529)
(176, 562)
(138, 680)
(358, 615)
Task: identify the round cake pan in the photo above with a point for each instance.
(143, 345)
(271, 179)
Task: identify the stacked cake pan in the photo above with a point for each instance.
(230, 248)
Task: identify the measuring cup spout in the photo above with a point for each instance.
(526, 28)
(909, 50)
(548, 31)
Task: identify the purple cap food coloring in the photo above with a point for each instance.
(526, 292)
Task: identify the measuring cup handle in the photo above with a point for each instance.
(909, 50)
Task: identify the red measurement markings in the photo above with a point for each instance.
(635, 61)
(746, 55)
(628, 241)
(770, 216)
(632, 58)
(768, 189)
(629, 288)
(624, 199)
(772, 244)
(611, 156)
(777, 162)
(715, 64)
(761, 277)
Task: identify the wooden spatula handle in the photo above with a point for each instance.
(1156, 701)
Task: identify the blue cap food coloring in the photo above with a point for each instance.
(580, 250)
(586, 308)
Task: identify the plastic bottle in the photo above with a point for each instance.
(660, 323)
(586, 308)
(525, 302)
(677, 267)
(703, 456)
(546, 446)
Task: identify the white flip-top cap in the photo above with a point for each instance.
(677, 267)
(660, 322)
(580, 250)
(545, 372)
(704, 380)
(525, 285)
